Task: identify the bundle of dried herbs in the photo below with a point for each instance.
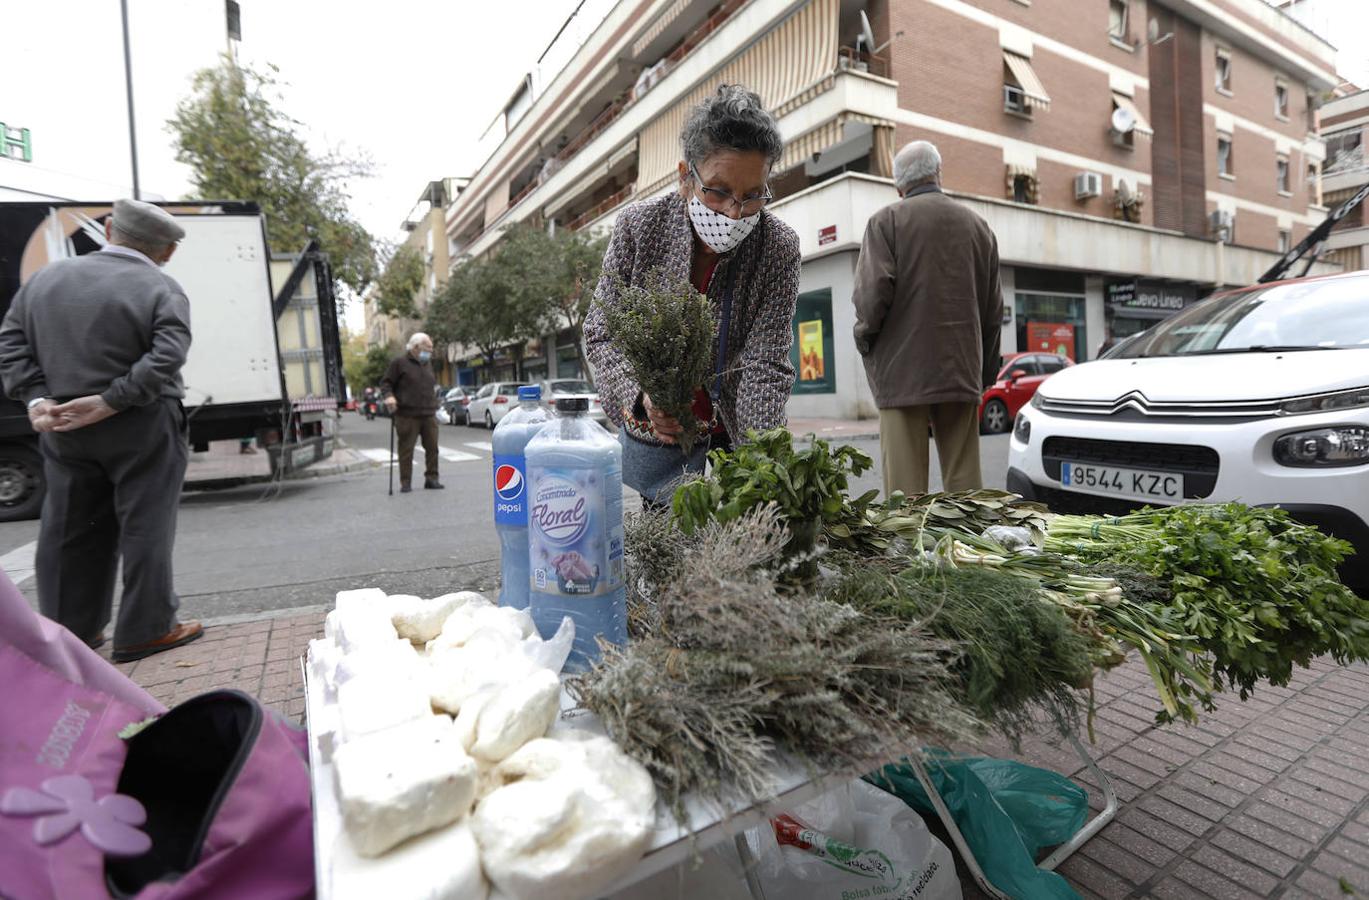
(1018, 655)
(730, 669)
(665, 331)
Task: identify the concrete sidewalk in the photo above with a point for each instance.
(225, 465)
(836, 429)
(1267, 798)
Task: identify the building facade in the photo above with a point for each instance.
(1345, 126)
(1131, 155)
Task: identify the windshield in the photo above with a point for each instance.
(1330, 314)
(572, 387)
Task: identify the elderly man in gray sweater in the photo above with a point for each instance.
(94, 346)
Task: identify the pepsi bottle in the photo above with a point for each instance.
(511, 435)
(575, 533)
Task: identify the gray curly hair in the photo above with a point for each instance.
(732, 119)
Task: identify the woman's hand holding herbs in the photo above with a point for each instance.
(666, 427)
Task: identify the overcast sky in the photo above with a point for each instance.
(411, 83)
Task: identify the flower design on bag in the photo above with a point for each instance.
(68, 802)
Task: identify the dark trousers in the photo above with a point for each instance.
(408, 429)
(113, 491)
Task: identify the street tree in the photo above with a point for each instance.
(478, 308)
(240, 145)
(399, 283)
(554, 277)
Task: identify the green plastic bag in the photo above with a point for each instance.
(1007, 811)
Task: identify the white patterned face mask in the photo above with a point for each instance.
(721, 233)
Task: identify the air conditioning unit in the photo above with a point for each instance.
(1223, 221)
(1087, 184)
(1015, 100)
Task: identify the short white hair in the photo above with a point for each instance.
(417, 338)
(916, 163)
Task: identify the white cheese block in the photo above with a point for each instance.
(490, 659)
(344, 601)
(375, 701)
(421, 620)
(571, 817)
(397, 657)
(467, 620)
(440, 865)
(365, 626)
(402, 782)
(495, 723)
(324, 656)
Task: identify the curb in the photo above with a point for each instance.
(232, 481)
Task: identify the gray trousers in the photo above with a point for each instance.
(113, 491)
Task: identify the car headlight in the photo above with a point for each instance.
(1339, 445)
(1351, 399)
(1038, 402)
(1022, 429)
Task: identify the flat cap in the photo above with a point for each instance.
(146, 222)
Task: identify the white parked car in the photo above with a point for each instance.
(492, 402)
(1259, 395)
(574, 388)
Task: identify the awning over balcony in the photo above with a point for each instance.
(1025, 75)
(496, 202)
(798, 53)
(1122, 101)
(653, 31)
(832, 132)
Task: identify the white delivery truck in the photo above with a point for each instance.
(266, 356)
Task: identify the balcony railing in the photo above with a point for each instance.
(624, 100)
(600, 208)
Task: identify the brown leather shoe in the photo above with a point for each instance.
(181, 633)
(97, 643)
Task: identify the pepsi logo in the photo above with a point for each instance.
(508, 482)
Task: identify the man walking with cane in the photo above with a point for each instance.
(410, 393)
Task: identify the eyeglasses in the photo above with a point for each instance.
(721, 201)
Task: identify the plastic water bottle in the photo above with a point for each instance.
(575, 531)
(511, 436)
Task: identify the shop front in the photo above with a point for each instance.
(1133, 305)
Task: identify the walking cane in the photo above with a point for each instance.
(392, 454)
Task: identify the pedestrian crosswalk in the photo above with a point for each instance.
(447, 454)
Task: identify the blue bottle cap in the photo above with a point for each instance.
(530, 392)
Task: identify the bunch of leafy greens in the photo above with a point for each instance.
(873, 527)
(807, 486)
(1256, 589)
(729, 669)
(664, 330)
(1017, 654)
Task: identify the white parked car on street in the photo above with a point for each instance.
(1259, 395)
(574, 389)
(492, 402)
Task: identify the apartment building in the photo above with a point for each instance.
(425, 230)
(1345, 127)
(1131, 155)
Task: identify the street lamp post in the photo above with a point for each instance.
(128, 80)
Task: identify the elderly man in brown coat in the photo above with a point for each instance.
(929, 310)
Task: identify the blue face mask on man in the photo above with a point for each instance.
(424, 356)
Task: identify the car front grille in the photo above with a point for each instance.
(1199, 465)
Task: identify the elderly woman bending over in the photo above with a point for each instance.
(715, 232)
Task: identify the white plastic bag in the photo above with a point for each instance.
(442, 417)
(855, 841)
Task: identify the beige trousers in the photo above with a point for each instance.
(903, 446)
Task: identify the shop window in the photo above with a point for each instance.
(1223, 70)
(1051, 323)
(1281, 174)
(1225, 164)
(1281, 100)
(812, 352)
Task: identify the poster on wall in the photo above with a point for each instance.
(1051, 337)
(812, 353)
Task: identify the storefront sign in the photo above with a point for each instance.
(16, 143)
(1141, 294)
(1050, 337)
(827, 235)
(812, 350)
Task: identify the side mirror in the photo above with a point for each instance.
(1016, 374)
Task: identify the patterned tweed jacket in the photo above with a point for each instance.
(758, 374)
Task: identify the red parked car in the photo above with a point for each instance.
(1021, 375)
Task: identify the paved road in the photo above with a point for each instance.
(293, 545)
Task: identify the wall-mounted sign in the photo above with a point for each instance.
(812, 350)
(16, 143)
(827, 235)
(1051, 337)
(1142, 294)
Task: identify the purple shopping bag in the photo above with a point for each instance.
(209, 801)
